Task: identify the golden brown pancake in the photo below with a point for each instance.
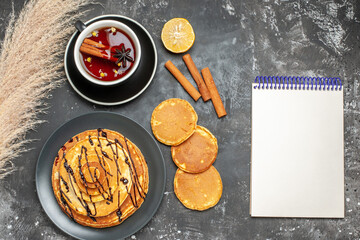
(173, 121)
(198, 191)
(197, 153)
(99, 178)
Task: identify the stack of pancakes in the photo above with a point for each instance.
(100, 178)
(197, 183)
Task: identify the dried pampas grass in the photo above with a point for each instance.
(30, 67)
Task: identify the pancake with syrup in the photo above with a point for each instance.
(198, 191)
(197, 153)
(173, 121)
(100, 178)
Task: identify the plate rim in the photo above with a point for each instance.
(123, 101)
(99, 229)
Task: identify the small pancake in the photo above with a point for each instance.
(198, 191)
(173, 121)
(197, 153)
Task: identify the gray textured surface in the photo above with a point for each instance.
(237, 40)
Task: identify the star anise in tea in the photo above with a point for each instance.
(123, 55)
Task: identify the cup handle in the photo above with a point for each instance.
(80, 26)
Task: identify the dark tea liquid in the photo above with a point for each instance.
(103, 69)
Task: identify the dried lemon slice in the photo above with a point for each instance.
(178, 35)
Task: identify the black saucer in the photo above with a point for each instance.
(135, 133)
(125, 92)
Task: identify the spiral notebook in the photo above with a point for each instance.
(297, 149)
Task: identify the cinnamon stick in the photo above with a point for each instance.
(215, 97)
(100, 46)
(97, 45)
(94, 43)
(93, 51)
(205, 94)
(183, 81)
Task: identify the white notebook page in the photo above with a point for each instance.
(297, 155)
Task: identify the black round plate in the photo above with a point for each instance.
(135, 133)
(132, 87)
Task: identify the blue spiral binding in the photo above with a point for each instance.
(300, 83)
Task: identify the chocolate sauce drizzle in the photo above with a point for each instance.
(106, 155)
(65, 184)
(83, 177)
(132, 171)
(98, 137)
(91, 141)
(137, 190)
(107, 180)
(133, 174)
(97, 183)
(81, 199)
(66, 205)
(102, 164)
(124, 180)
(118, 212)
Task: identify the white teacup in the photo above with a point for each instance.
(85, 31)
